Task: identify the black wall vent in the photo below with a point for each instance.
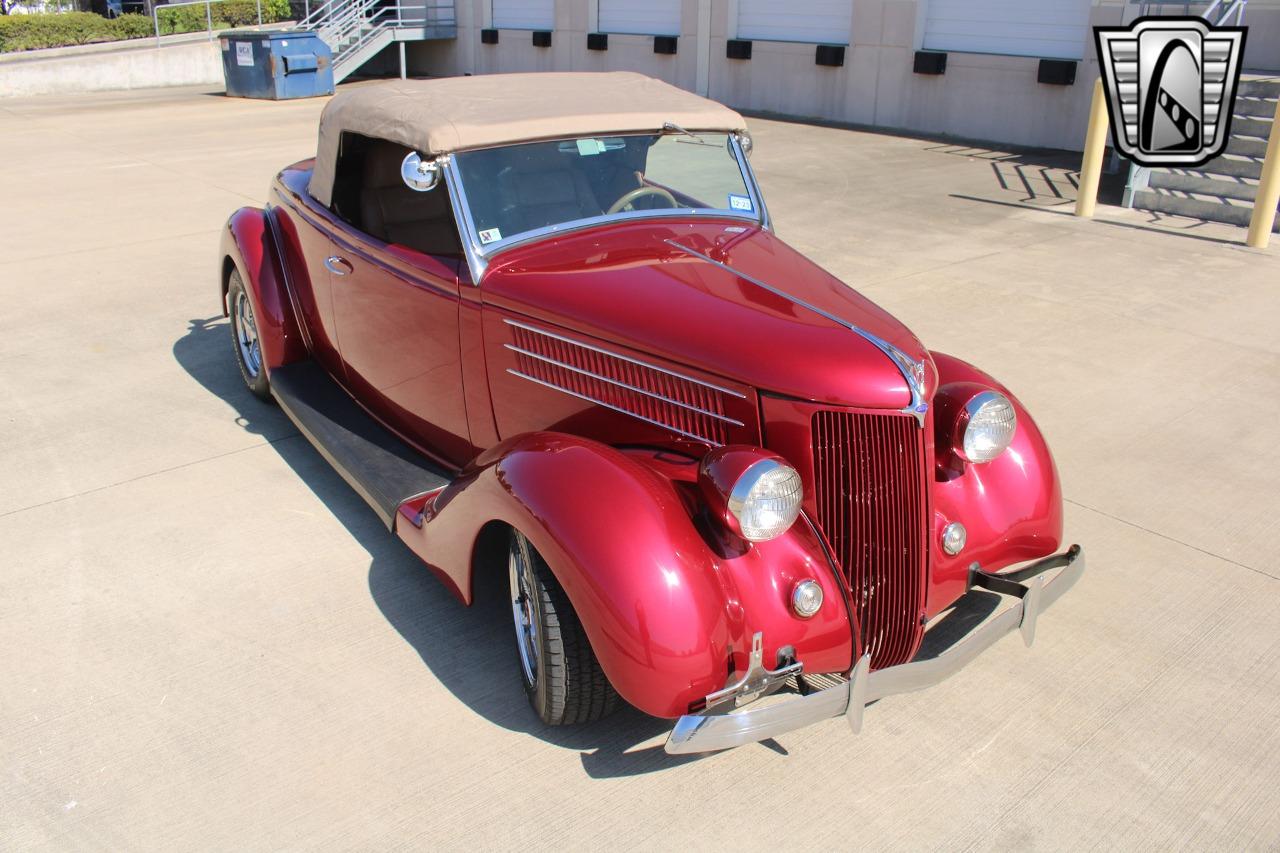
(664, 44)
(737, 49)
(1057, 72)
(930, 62)
(542, 38)
(597, 41)
(829, 54)
(488, 36)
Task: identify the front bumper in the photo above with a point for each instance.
(710, 732)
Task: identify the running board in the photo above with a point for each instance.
(384, 470)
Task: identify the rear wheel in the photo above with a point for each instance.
(244, 335)
(562, 678)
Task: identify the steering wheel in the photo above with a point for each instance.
(640, 192)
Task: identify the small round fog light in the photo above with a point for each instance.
(953, 538)
(806, 598)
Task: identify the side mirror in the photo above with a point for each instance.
(419, 175)
(746, 143)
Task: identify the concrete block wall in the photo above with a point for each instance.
(981, 96)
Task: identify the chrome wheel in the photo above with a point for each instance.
(247, 335)
(523, 613)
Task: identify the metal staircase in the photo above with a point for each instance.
(358, 30)
(1224, 189)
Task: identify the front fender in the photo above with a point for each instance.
(1010, 506)
(249, 245)
(667, 610)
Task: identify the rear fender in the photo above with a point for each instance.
(248, 245)
(1011, 506)
(667, 610)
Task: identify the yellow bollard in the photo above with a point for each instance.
(1095, 146)
(1264, 207)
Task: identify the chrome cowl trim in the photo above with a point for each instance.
(710, 732)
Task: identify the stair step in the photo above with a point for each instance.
(1203, 185)
(1233, 167)
(1260, 107)
(1246, 146)
(1195, 208)
(380, 467)
(1266, 88)
(1251, 126)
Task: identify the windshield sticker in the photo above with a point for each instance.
(589, 147)
(489, 235)
(741, 202)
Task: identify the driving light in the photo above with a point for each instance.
(953, 538)
(754, 493)
(806, 598)
(989, 422)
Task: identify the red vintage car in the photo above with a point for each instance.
(542, 324)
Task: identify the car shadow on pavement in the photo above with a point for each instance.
(468, 649)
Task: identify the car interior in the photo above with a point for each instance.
(512, 189)
(369, 194)
(538, 184)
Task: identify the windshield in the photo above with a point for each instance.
(518, 189)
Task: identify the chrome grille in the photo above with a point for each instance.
(870, 477)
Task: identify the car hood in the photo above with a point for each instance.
(727, 299)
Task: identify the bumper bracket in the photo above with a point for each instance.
(710, 732)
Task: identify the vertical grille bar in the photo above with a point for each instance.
(870, 478)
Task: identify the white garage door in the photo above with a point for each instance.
(1053, 29)
(650, 18)
(524, 14)
(812, 21)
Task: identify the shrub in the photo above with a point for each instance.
(229, 13)
(32, 32)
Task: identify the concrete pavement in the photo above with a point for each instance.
(207, 641)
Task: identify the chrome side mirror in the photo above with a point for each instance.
(745, 143)
(419, 175)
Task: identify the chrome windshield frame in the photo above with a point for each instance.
(478, 255)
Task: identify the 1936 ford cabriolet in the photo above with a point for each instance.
(542, 324)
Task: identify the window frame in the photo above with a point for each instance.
(480, 254)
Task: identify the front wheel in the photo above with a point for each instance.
(562, 678)
(244, 334)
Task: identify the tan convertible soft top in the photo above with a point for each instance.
(455, 113)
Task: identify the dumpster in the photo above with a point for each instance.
(276, 65)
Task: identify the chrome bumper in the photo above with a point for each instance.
(710, 732)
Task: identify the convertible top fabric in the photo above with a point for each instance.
(456, 113)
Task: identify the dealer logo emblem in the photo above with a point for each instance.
(1171, 88)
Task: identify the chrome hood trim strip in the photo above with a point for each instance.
(912, 370)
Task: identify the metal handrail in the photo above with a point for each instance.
(1234, 8)
(333, 13)
(208, 14)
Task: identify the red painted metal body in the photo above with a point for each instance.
(499, 380)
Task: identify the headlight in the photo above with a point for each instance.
(756, 495)
(766, 500)
(988, 425)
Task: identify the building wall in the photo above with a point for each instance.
(981, 96)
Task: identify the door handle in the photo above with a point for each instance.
(337, 265)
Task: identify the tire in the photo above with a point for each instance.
(244, 338)
(562, 678)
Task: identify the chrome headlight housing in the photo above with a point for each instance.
(986, 428)
(755, 494)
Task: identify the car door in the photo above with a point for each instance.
(305, 229)
(396, 312)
